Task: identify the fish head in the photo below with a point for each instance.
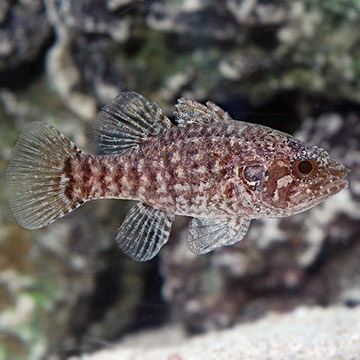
(297, 178)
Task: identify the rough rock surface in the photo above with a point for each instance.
(313, 333)
(284, 61)
(24, 30)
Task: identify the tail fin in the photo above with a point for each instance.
(36, 176)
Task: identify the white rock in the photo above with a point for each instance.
(307, 333)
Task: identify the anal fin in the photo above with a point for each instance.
(206, 235)
(144, 231)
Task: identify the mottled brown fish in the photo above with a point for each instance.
(220, 171)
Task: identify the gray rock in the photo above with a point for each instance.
(70, 275)
(4, 9)
(24, 30)
(307, 333)
(91, 16)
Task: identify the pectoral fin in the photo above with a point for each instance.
(206, 235)
(144, 231)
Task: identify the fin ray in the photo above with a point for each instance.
(206, 235)
(189, 112)
(126, 121)
(144, 231)
(36, 194)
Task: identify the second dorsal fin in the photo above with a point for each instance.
(190, 112)
(126, 121)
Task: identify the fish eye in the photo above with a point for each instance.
(253, 173)
(304, 168)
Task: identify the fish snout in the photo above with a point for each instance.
(338, 173)
(337, 170)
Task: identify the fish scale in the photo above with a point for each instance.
(219, 171)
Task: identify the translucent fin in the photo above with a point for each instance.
(206, 235)
(144, 231)
(218, 113)
(190, 112)
(36, 187)
(126, 121)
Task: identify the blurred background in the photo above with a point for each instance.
(295, 66)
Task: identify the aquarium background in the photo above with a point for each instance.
(66, 290)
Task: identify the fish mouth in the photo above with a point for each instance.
(336, 186)
(338, 171)
(324, 192)
(329, 190)
(345, 171)
(339, 182)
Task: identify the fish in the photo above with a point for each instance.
(221, 172)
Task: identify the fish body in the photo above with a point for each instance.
(219, 171)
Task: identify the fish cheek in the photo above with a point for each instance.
(278, 182)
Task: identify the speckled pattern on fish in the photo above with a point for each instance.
(220, 171)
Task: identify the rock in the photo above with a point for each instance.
(307, 333)
(255, 12)
(24, 31)
(191, 16)
(60, 60)
(75, 61)
(4, 9)
(94, 17)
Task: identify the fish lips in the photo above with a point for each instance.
(339, 182)
(324, 190)
(337, 186)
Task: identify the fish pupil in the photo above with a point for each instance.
(305, 167)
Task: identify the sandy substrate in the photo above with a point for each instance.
(313, 333)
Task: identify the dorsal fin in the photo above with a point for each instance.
(190, 112)
(127, 120)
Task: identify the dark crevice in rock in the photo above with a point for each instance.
(23, 74)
